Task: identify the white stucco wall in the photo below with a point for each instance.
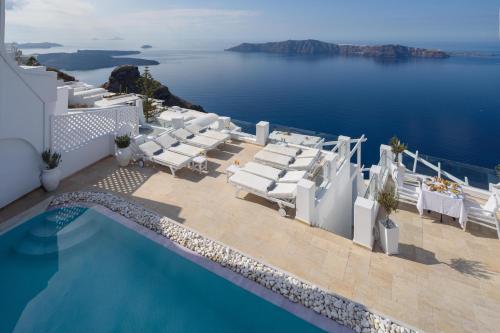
(20, 170)
(25, 99)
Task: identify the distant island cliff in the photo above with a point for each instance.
(43, 45)
(92, 59)
(316, 47)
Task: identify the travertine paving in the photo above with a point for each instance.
(444, 280)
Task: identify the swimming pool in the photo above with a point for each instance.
(74, 269)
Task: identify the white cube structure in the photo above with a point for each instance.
(177, 121)
(365, 213)
(262, 132)
(305, 201)
(223, 123)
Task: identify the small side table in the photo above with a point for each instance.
(231, 170)
(200, 164)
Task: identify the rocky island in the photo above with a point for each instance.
(313, 47)
(126, 79)
(43, 45)
(92, 59)
(146, 46)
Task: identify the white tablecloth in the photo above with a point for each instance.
(442, 203)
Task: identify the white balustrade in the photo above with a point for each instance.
(76, 129)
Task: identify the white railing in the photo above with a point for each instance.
(437, 168)
(74, 130)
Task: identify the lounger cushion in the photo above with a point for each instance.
(302, 163)
(282, 149)
(215, 135)
(182, 134)
(187, 150)
(149, 148)
(166, 141)
(202, 141)
(194, 128)
(169, 158)
(263, 170)
(197, 129)
(309, 153)
(283, 191)
(268, 157)
(251, 182)
(292, 176)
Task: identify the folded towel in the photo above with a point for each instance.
(158, 152)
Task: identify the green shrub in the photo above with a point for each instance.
(389, 200)
(397, 147)
(122, 141)
(51, 159)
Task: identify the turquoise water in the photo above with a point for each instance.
(76, 270)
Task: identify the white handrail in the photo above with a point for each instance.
(435, 168)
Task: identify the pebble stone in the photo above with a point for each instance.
(334, 307)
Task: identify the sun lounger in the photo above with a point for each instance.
(292, 151)
(153, 152)
(302, 163)
(273, 159)
(282, 149)
(281, 193)
(196, 140)
(169, 143)
(282, 176)
(196, 129)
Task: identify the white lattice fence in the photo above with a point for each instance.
(75, 130)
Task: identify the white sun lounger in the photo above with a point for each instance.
(172, 144)
(195, 129)
(309, 153)
(283, 149)
(155, 153)
(283, 194)
(282, 176)
(273, 159)
(292, 151)
(302, 163)
(196, 140)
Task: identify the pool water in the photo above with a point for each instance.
(76, 270)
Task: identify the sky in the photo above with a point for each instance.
(196, 24)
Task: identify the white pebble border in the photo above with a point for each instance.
(337, 308)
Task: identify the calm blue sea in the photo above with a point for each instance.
(447, 108)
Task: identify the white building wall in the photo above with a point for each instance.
(25, 99)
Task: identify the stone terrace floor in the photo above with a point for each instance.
(444, 280)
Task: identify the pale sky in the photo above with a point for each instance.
(193, 24)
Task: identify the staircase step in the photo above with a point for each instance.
(57, 234)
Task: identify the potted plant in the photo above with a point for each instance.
(123, 152)
(397, 148)
(388, 230)
(51, 174)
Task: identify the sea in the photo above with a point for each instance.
(448, 109)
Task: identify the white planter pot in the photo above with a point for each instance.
(389, 238)
(123, 156)
(51, 179)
